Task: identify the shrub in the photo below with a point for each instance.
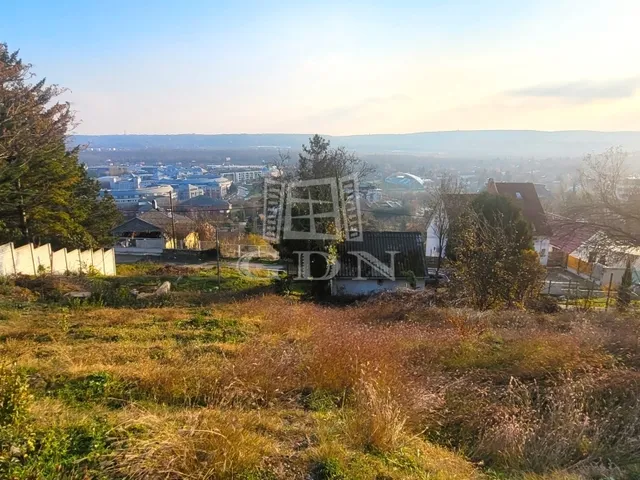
(14, 396)
(543, 304)
(75, 451)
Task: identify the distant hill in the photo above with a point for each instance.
(477, 143)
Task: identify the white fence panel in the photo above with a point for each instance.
(23, 257)
(86, 260)
(59, 262)
(74, 260)
(42, 258)
(6, 260)
(30, 260)
(109, 262)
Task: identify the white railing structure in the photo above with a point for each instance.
(32, 260)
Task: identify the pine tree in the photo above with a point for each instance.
(45, 194)
(624, 291)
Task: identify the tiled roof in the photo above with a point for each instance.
(204, 201)
(569, 235)
(153, 221)
(164, 222)
(526, 197)
(410, 256)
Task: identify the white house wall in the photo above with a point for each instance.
(432, 242)
(366, 287)
(541, 245)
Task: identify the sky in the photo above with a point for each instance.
(337, 68)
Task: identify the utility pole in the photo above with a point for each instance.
(218, 253)
(173, 222)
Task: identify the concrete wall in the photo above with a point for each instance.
(30, 260)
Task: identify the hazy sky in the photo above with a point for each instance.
(198, 66)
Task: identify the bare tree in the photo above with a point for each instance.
(606, 201)
(439, 205)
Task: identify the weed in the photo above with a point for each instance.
(205, 444)
(96, 387)
(14, 396)
(376, 422)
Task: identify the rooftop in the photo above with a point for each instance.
(409, 257)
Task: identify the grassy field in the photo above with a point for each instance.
(238, 382)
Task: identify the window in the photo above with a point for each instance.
(543, 253)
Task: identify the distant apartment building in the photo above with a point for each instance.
(129, 198)
(106, 170)
(185, 192)
(211, 187)
(628, 186)
(115, 182)
(244, 176)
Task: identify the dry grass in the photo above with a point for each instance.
(375, 422)
(270, 386)
(201, 444)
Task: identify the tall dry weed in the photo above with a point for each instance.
(569, 425)
(374, 421)
(203, 444)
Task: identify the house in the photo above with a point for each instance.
(153, 231)
(568, 236)
(589, 253)
(358, 274)
(204, 204)
(526, 197)
(453, 205)
(242, 192)
(522, 194)
(126, 198)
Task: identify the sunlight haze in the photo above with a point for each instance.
(380, 67)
